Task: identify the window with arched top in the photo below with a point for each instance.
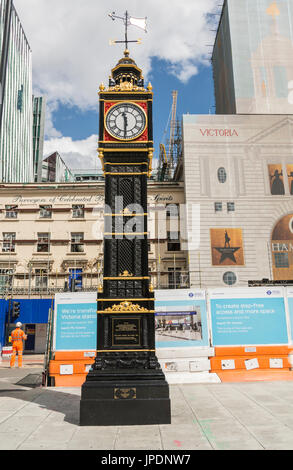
(222, 175)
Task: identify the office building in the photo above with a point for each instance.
(39, 110)
(54, 169)
(16, 152)
(253, 57)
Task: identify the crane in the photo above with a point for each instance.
(166, 158)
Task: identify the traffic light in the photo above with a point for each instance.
(15, 311)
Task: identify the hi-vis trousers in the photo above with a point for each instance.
(16, 348)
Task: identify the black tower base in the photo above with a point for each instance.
(131, 398)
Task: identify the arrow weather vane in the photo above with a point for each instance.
(128, 21)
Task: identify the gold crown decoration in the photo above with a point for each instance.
(126, 306)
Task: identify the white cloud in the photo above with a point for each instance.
(71, 52)
(77, 154)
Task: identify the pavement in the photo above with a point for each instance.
(217, 416)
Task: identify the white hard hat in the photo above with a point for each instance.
(19, 324)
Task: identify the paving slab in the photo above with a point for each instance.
(208, 416)
(184, 437)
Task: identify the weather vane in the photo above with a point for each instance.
(128, 21)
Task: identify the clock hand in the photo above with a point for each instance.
(125, 123)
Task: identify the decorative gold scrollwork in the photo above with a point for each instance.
(126, 306)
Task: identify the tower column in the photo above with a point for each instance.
(126, 385)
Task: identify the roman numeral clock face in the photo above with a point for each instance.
(125, 121)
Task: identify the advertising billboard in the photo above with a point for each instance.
(181, 318)
(227, 247)
(247, 316)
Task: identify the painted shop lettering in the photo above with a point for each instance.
(219, 132)
(276, 247)
(162, 198)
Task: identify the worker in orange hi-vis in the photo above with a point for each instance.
(17, 338)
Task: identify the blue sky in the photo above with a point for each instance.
(72, 56)
(194, 97)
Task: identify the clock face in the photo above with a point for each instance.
(125, 121)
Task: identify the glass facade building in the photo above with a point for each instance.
(16, 116)
(39, 106)
(253, 57)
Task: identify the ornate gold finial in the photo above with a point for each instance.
(100, 289)
(101, 157)
(149, 87)
(102, 87)
(151, 287)
(126, 53)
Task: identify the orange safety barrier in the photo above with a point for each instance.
(79, 360)
(263, 354)
(263, 362)
(255, 375)
(74, 355)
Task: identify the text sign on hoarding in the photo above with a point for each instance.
(75, 325)
(248, 316)
(289, 292)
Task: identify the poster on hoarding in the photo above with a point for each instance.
(75, 321)
(180, 318)
(248, 316)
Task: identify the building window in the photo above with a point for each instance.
(229, 278)
(77, 245)
(218, 207)
(41, 278)
(78, 212)
(174, 278)
(43, 245)
(11, 212)
(222, 175)
(75, 279)
(45, 212)
(5, 279)
(231, 206)
(8, 242)
(281, 260)
(172, 210)
(173, 241)
(20, 99)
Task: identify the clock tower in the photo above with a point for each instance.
(126, 385)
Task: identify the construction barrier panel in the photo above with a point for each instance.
(249, 329)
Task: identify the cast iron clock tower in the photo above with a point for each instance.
(125, 385)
